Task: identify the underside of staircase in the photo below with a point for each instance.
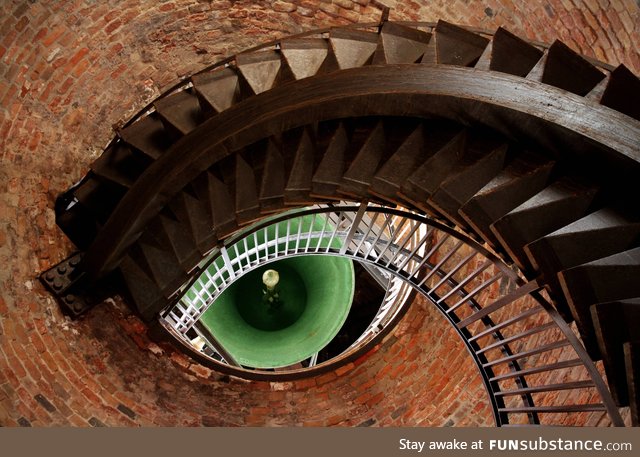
(530, 150)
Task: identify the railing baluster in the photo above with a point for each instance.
(333, 232)
(475, 292)
(390, 242)
(520, 292)
(442, 261)
(354, 227)
(547, 388)
(300, 221)
(528, 353)
(370, 226)
(375, 242)
(511, 339)
(454, 270)
(404, 243)
(421, 243)
(528, 371)
(324, 228)
(528, 313)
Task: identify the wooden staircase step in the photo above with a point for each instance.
(426, 179)
(623, 92)
(218, 200)
(393, 173)
(99, 197)
(607, 279)
(353, 48)
(457, 189)
(616, 323)
(273, 180)
(358, 177)
(566, 69)
(145, 294)
(557, 205)
(180, 112)
(259, 69)
(247, 205)
(298, 185)
(120, 164)
(596, 235)
(147, 135)
(328, 175)
(161, 263)
(192, 213)
(458, 46)
(403, 44)
(511, 54)
(304, 56)
(75, 220)
(632, 363)
(516, 183)
(216, 90)
(178, 236)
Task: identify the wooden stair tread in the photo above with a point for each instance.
(328, 175)
(193, 214)
(616, 323)
(591, 237)
(259, 69)
(148, 135)
(160, 262)
(145, 294)
(298, 185)
(511, 54)
(606, 279)
(247, 205)
(623, 92)
(519, 181)
(426, 179)
(393, 173)
(458, 46)
(403, 44)
(457, 189)
(353, 48)
(179, 112)
(357, 179)
(273, 181)
(120, 164)
(554, 207)
(566, 69)
(216, 90)
(304, 56)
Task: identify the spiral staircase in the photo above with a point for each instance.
(524, 154)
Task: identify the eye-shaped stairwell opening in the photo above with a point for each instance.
(503, 164)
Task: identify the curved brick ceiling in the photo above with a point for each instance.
(68, 71)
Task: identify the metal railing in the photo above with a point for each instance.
(531, 362)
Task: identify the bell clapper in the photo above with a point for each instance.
(270, 280)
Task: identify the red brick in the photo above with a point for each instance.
(167, 7)
(22, 23)
(53, 35)
(110, 28)
(304, 384)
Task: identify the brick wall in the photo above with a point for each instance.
(68, 72)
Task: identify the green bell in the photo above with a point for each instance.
(278, 326)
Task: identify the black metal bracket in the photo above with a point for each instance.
(66, 282)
